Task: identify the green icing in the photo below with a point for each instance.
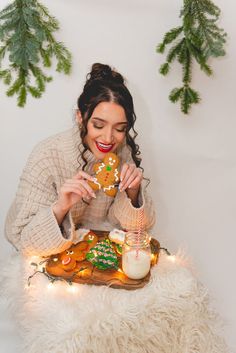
(103, 256)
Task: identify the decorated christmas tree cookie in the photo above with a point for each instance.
(103, 256)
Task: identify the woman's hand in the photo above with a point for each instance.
(71, 192)
(131, 178)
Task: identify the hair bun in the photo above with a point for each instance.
(104, 72)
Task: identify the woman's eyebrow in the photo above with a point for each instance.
(105, 121)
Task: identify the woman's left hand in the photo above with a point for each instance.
(130, 177)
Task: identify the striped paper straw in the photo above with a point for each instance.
(140, 229)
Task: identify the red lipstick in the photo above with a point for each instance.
(103, 147)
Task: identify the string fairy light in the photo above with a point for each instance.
(170, 256)
(72, 289)
(51, 278)
(50, 286)
(166, 251)
(40, 264)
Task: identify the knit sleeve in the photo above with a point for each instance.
(123, 213)
(31, 225)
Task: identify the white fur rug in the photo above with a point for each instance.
(171, 314)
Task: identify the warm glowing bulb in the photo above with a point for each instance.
(40, 268)
(153, 259)
(72, 289)
(50, 286)
(83, 272)
(172, 258)
(34, 259)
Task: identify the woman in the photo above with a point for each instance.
(54, 197)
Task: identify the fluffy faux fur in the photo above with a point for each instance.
(169, 315)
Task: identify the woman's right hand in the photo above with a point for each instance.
(71, 192)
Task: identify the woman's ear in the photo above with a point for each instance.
(79, 117)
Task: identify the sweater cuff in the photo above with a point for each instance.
(43, 236)
(67, 227)
(127, 214)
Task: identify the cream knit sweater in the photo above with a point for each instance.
(31, 225)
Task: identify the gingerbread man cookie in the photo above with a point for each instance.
(68, 259)
(107, 175)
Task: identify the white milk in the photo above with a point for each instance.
(135, 264)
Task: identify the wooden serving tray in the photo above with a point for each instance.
(86, 273)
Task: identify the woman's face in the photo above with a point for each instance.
(106, 129)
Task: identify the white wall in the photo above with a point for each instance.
(190, 160)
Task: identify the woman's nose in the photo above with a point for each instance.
(108, 136)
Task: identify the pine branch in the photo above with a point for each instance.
(27, 45)
(199, 38)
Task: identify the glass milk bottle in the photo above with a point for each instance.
(136, 255)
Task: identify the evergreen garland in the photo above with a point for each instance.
(26, 35)
(198, 38)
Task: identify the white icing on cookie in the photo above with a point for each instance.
(80, 234)
(117, 236)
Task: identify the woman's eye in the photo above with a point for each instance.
(121, 130)
(98, 126)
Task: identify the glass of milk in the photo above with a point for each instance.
(136, 255)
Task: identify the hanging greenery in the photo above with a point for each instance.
(27, 44)
(197, 38)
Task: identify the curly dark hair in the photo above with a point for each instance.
(104, 84)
